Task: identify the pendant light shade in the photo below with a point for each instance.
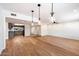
(39, 22)
(32, 18)
(39, 15)
(52, 13)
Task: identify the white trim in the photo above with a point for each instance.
(2, 50)
(73, 38)
(3, 47)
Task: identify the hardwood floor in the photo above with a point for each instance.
(41, 46)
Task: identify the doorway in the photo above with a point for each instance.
(15, 30)
(35, 30)
(19, 30)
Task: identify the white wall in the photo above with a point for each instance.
(44, 29)
(2, 41)
(67, 30)
(27, 30)
(6, 30)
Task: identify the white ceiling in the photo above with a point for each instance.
(62, 11)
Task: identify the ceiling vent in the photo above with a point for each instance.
(13, 14)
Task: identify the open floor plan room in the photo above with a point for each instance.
(39, 29)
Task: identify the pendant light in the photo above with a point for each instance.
(32, 18)
(39, 15)
(52, 13)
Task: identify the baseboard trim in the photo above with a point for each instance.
(64, 37)
(3, 47)
(1, 51)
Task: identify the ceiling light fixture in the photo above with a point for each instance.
(39, 14)
(32, 18)
(52, 13)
